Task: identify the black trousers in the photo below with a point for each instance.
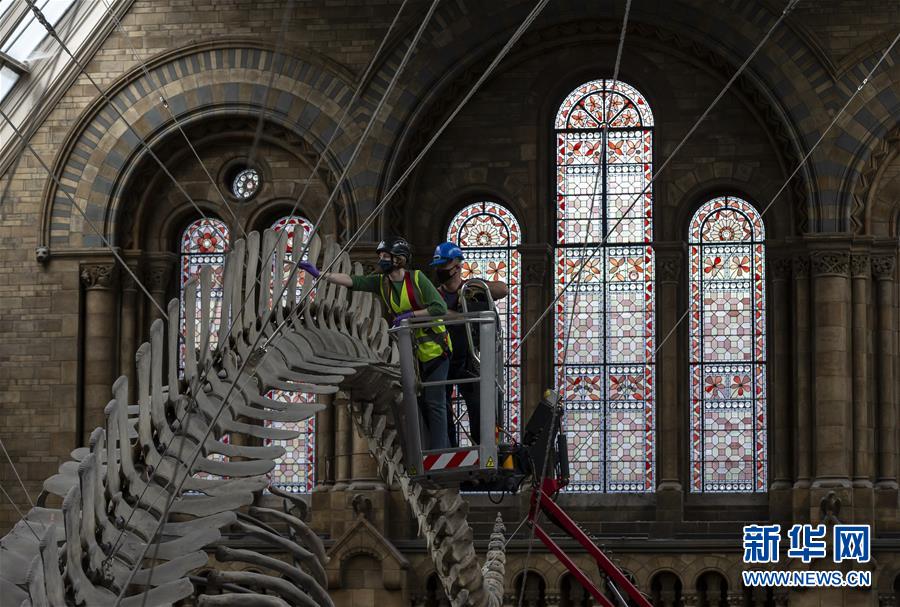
(470, 393)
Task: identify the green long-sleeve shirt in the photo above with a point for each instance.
(428, 295)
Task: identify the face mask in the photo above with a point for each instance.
(385, 265)
(444, 275)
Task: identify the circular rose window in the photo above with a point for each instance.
(246, 184)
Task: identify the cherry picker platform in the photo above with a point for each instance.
(492, 465)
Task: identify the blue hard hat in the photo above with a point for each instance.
(444, 252)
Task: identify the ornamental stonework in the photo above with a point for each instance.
(883, 266)
(98, 276)
(859, 265)
(800, 266)
(830, 263)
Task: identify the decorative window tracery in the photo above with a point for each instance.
(203, 243)
(604, 162)
(295, 471)
(727, 347)
(488, 234)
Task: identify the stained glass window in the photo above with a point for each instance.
(245, 184)
(488, 233)
(604, 230)
(295, 471)
(728, 345)
(204, 243)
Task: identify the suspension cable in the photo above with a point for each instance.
(280, 234)
(83, 70)
(19, 512)
(800, 165)
(601, 165)
(402, 178)
(599, 247)
(84, 216)
(196, 452)
(158, 88)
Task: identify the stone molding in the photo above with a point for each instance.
(883, 266)
(98, 276)
(830, 263)
(859, 265)
(782, 268)
(800, 266)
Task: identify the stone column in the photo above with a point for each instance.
(159, 270)
(325, 445)
(862, 451)
(832, 396)
(883, 270)
(99, 356)
(537, 293)
(128, 329)
(363, 468)
(343, 429)
(670, 398)
(802, 409)
(780, 445)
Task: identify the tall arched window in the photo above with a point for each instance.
(295, 471)
(728, 345)
(604, 155)
(203, 243)
(488, 233)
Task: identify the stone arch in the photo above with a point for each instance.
(225, 78)
(666, 588)
(455, 193)
(865, 141)
(779, 112)
(572, 593)
(535, 588)
(873, 215)
(711, 586)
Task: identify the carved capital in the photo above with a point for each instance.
(859, 265)
(157, 275)
(533, 273)
(668, 268)
(98, 275)
(782, 267)
(883, 266)
(834, 263)
(800, 266)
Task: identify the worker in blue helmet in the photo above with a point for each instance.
(448, 263)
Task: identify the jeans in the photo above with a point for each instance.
(433, 403)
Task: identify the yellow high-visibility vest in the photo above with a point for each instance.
(430, 343)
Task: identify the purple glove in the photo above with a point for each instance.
(309, 268)
(400, 318)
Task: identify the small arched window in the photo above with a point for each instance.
(604, 333)
(203, 243)
(727, 347)
(488, 234)
(295, 471)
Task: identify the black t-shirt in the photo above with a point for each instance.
(475, 303)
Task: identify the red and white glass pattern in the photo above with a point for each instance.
(295, 471)
(203, 243)
(604, 154)
(488, 234)
(727, 348)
